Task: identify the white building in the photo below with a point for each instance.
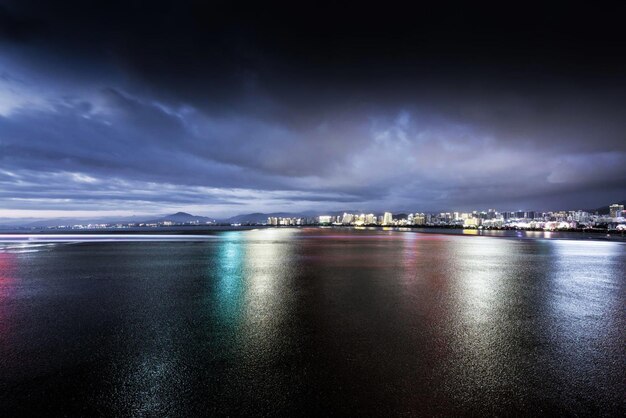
(325, 219)
(347, 219)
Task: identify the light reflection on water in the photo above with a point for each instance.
(586, 271)
(587, 292)
(7, 289)
(314, 320)
(489, 315)
(25, 247)
(230, 276)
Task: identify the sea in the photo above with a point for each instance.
(315, 321)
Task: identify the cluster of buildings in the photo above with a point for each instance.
(278, 221)
(491, 218)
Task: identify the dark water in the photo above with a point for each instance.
(288, 321)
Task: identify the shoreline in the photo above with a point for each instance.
(201, 233)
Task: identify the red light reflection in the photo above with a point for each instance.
(7, 264)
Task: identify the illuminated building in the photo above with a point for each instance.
(419, 219)
(325, 219)
(616, 210)
(472, 222)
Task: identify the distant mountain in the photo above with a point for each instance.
(181, 217)
(247, 218)
(259, 217)
(604, 210)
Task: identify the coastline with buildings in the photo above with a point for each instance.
(491, 219)
(487, 219)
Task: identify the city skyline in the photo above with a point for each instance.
(118, 110)
(608, 217)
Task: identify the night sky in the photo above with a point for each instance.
(221, 108)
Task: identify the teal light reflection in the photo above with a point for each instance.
(230, 280)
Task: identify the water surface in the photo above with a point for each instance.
(327, 321)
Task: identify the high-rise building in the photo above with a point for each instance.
(387, 218)
(347, 218)
(616, 210)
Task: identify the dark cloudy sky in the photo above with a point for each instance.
(219, 108)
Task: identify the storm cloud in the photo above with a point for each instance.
(219, 110)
